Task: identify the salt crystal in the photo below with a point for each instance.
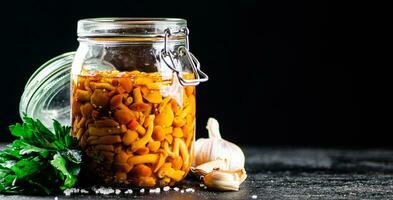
(142, 190)
(166, 188)
(129, 191)
(254, 196)
(105, 191)
(190, 190)
(110, 191)
(181, 191)
(56, 198)
(83, 191)
(157, 190)
(117, 191)
(68, 192)
(176, 189)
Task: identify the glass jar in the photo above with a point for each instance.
(47, 92)
(133, 100)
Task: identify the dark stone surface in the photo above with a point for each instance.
(276, 173)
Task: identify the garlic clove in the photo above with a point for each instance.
(225, 180)
(202, 170)
(212, 165)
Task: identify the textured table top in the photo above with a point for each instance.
(288, 173)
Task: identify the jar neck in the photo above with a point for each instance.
(179, 40)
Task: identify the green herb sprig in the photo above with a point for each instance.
(40, 161)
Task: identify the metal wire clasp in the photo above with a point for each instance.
(200, 76)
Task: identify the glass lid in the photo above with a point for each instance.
(47, 93)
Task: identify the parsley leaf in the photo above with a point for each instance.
(39, 161)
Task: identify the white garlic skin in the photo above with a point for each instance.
(214, 147)
(224, 180)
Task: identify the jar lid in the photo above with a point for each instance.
(123, 27)
(47, 93)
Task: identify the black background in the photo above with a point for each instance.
(281, 72)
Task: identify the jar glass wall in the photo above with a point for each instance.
(132, 114)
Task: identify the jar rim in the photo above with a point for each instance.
(127, 26)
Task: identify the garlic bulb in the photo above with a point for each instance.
(214, 148)
(219, 163)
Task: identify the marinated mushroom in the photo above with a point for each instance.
(130, 131)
